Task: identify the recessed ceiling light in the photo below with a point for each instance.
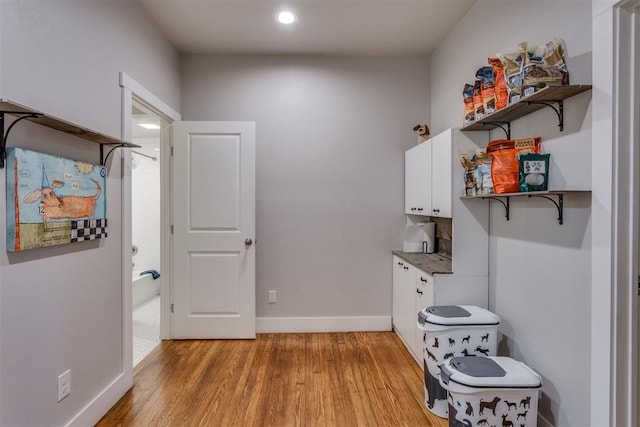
(150, 126)
(286, 17)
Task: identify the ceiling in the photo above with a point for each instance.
(323, 27)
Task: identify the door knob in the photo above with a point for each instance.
(248, 241)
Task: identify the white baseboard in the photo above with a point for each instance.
(323, 324)
(100, 405)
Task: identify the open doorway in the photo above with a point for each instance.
(147, 272)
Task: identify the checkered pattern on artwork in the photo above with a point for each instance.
(88, 229)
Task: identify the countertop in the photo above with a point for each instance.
(429, 263)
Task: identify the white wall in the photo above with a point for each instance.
(539, 270)
(331, 135)
(61, 308)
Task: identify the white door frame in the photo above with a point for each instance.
(131, 89)
(614, 311)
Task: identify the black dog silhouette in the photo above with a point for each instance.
(466, 339)
(506, 422)
(484, 351)
(526, 403)
(435, 342)
(510, 404)
(484, 338)
(469, 410)
(491, 405)
(523, 415)
(430, 355)
(452, 342)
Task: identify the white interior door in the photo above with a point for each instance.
(213, 230)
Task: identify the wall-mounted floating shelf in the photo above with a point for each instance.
(549, 195)
(26, 113)
(546, 97)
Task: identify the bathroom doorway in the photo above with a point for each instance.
(147, 272)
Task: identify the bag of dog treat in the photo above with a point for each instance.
(500, 85)
(469, 110)
(545, 66)
(487, 89)
(534, 172)
(512, 74)
(484, 184)
(478, 106)
(467, 159)
(505, 164)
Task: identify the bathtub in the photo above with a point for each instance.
(144, 288)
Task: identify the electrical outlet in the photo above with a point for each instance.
(272, 297)
(64, 385)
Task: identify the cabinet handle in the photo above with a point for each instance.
(422, 279)
(436, 210)
(419, 209)
(419, 291)
(405, 267)
(413, 209)
(399, 263)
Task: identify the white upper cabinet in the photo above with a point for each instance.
(417, 180)
(428, 177)
(442, 175)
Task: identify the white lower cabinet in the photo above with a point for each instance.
(414, 290)
(404, 279)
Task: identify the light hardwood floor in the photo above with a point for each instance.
(332, 379)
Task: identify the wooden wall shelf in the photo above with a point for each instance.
(549, 195)
(546, 97)
(26, 113)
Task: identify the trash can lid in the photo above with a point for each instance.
(457, 315)
(493, 371)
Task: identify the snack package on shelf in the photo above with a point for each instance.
(484, 182)
(467, 159)
(487, 89)
(469, 110)
(478, 106)
(500, 85)
(505, 164)
(533, 68)
(512, 74)
(534, 172)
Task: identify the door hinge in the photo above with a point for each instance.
(172, 307)
(172, 150)
(171, 229)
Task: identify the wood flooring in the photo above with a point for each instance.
(332, 379)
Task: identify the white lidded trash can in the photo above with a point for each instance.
(490, 391)
(450, 331)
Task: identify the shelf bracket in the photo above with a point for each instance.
(103, 158)
(5, 135)
(504, 203)
(501, 125)
(559, 205)
(559, 111)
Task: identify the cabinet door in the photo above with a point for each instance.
(417, 179)
(424, 298)
(442, 175)
(403, 300)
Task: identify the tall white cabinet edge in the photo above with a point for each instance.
(414, 289)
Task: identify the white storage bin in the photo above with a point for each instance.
(450, 331)
(490, 391)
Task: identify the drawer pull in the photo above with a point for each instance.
(405, 267)
(419, 291)
(422, 279)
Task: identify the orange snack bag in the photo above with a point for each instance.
(500, 85)
(505, 166)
